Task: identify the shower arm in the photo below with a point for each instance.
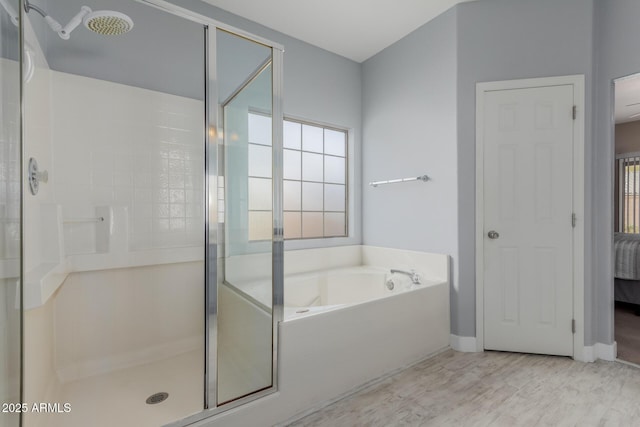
(63, 32)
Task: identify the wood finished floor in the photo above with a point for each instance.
(494, 389)
(627, 327)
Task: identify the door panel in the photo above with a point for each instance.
(245, 311)
(528, 161)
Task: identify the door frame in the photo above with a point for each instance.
(578, 83)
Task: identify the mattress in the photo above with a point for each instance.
(627, 256)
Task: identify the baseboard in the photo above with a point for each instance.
(607, 352)
(624, 362)
(588, 354)
(117, 362)
(598, 351)
(463, 344)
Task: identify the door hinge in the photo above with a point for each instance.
(574, 112)
(573, 326)
(574, 220)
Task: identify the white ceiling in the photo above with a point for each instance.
(356, 29)
(628, 100)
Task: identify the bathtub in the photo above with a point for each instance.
(344, 328)
(322, 291)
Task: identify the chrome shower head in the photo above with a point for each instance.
(108, 22)
(105, 22)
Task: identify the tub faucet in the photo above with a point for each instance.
(415, 277)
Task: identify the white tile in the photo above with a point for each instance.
(135, 147)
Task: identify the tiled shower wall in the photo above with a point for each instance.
(9, 164)
(9, 235)
(122, 146)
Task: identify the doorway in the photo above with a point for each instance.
(529, 203)
(626, 219)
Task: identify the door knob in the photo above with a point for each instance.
(493, 234)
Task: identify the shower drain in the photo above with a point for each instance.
(157, 398)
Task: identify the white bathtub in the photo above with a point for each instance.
(355, 330)
(351, 330)
(319, 291)
(312, 293)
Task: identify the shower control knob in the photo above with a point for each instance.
(493, 234)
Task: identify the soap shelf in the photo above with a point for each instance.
(112, 250)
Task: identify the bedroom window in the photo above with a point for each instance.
(629, 194)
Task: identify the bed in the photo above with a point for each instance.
(627, 267)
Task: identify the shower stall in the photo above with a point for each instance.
(10, 229)
(140, 214)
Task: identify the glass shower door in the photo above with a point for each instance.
(10, 213)
(113, 268)
(248, 209)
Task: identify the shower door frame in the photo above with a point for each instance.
(213, 154)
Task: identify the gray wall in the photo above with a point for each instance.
(410, 83)
(9, 43)
(162, 52)
(617, 36)
(409, 129)
(319, 86)
(503, 40)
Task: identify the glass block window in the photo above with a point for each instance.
(260, 189)
(315, 181)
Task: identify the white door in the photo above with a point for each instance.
(528, 232)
